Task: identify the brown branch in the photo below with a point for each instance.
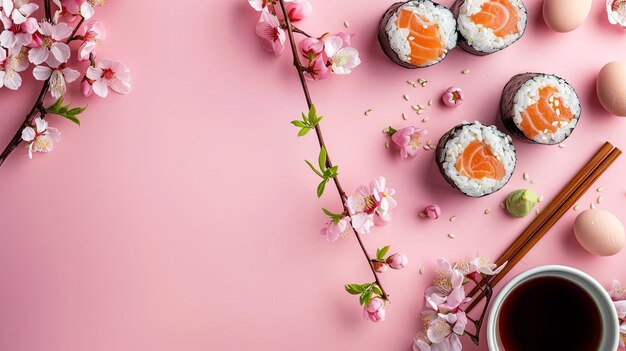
(37, 106)
(320, 139)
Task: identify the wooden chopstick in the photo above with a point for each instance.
(545, 215)
(561, 208)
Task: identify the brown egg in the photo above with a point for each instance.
(599, 232)
(565, 15)
(611, 87)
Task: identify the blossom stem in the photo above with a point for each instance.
(300, 31)
(38, 108)
(320, 139)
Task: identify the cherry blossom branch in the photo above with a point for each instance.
(38, 107)
(320, 138)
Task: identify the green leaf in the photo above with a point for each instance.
(366, 297)
(305, 118)
(321, 187)
(303, 131)
(376, 289)
(313, 168)
(312, 113)
(57, 104)
(66, 111)
(366, 286)
(72, 118)
(353, 289)
(298, 123)
(322, 159)
(380, 253)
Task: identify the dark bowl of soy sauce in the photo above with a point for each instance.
(551, 308)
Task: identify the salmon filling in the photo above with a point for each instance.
(498, 15)
(426, 44)
(478, 161)
(547, 115)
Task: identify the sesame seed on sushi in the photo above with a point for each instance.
(488, 26)
(475, 159)
(539, 108)
(417, 33)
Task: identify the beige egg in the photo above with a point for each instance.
(565, 15)
(611, 87)
(599, 232)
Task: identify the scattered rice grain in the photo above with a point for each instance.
(404, 116)
(592, 206)
(430, 102)
(386, 145)
(599, 199)
(422, 270)
(368, 112)
(465, 71)
(576, 207)
(453, 218)
(526, 176)
(540, 198)
(600, 189)
(425, 119)
(451, 235)
(421, 214)
(562, 146)
(533, 181)
(406, 97)
(346, 24)
(487, 210)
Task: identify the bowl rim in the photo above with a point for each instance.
(600, 295)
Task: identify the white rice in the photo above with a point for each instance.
(501, 145)
(528, 95)
(399, 37)
(481, 38)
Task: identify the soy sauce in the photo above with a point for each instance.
(549, 313)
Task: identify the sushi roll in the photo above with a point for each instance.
(475, 159)
(488, 26)
(417, 33)
(539, 108)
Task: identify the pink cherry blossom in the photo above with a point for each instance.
(622, 334)
(58, 77)
(362, 206)
(41, 138)
(317, 69)
(298, 10)
(409, 140)
(380, 267)
(432, 211)
(478, 266)
(332, 231)
(310, 48)
(17, 35)
(397, 261)
(383, 196)
(92, 37)
(618, 291)
(18, 10)
(109, 74)
(346, 39)
(52, 49)
(342, 59)
(10, 66)
(375, 310)
(271, 34)
(441, 334)
(453, 96)
(70, 6)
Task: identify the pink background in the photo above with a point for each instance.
(182, 216)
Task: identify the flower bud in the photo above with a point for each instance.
(380, 267)
(298, 10)
(397, 261)
(85, 88)
(375, 310)
(453, 96)
(432, 211)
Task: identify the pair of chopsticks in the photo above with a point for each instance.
(568, 196)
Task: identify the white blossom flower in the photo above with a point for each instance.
(109, 73)
(58, 77)
(41, 138)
